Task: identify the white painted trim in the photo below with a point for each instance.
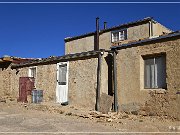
(29, 75)
(57, 75)
(29, 71)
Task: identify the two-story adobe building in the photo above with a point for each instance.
(123, 33)
(132, 65)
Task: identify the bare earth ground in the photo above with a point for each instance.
(47, 118)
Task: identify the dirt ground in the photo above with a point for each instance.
(51, 118)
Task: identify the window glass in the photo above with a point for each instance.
(62, 74)
(155, 72)
(119, 35)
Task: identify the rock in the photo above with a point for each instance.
(94, 113)
(125, 116)
(109, 120)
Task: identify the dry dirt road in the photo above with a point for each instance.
(15, 119)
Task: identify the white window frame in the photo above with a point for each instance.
(30, 75)
(122, 35)
(30, 70)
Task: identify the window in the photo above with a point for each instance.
(119, 35)
(155, 72)
(32, 72)
(62, 74)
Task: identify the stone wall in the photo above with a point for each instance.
(131, 92)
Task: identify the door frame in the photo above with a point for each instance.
(57, 77)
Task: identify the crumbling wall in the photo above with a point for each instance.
(131, 93)
(162, 104)
(46, 81)
(83, 82)
(9, 81)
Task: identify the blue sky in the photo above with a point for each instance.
(38, 30)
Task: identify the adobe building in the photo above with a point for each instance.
(148, 75)
(123, 33)
(132, 67)
(69, 79)
(9, 79)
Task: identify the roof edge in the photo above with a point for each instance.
(57, 59)
(170, 35)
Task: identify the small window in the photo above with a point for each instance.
(62, 74)
(119, 35)
(155, 72)
(32, 72)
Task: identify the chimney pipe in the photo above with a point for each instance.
(105, 25)
(97, 34)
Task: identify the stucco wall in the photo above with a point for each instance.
(159, 29)
(138, 32)
(105, 41)
(87, 43)
(131, 94)
(82, 82)
(46, 81)
(80, 45)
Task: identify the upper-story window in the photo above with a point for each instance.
(119, 35)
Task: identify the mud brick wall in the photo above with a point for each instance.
(9, 81)
(46, 80)
(131, 92)
(82, 82)
(163, 104)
